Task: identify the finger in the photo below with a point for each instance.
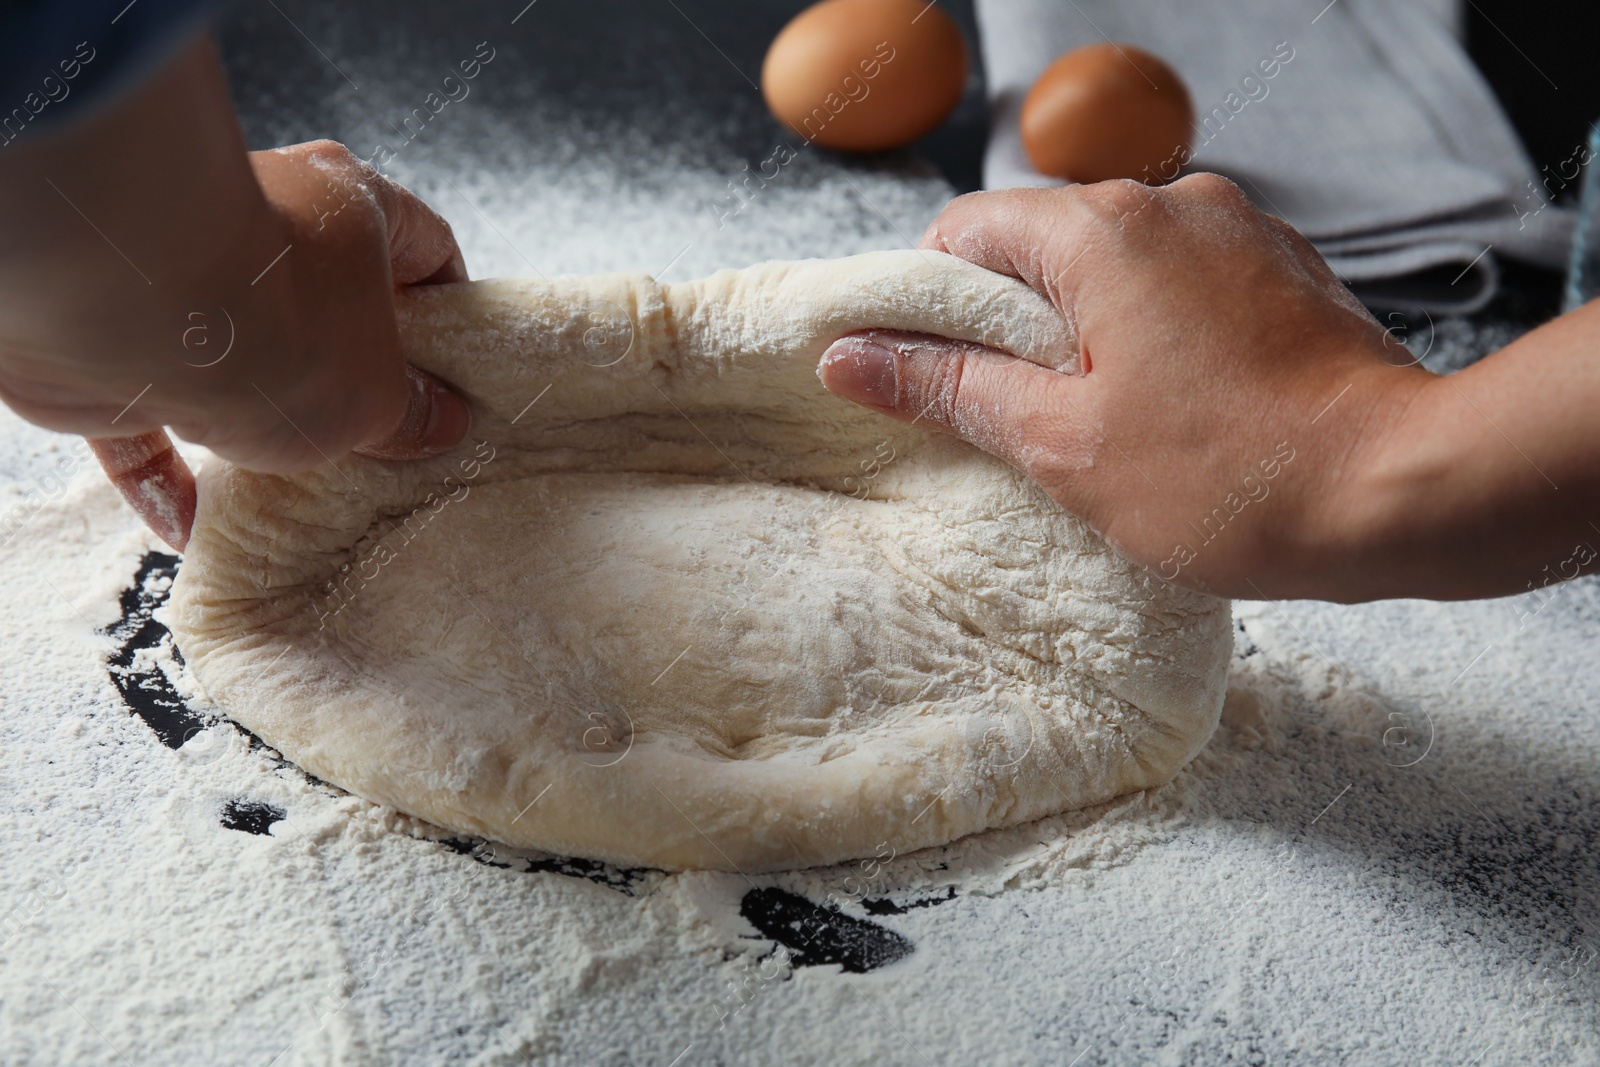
(1019, 411)
(1009, 231)
(1062, 243)
(436, 419)
(422, 247)
(154, 479)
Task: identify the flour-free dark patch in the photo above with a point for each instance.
(629, 881)
(146, 690)
(251, 816)
(815, 935)
(885, 906)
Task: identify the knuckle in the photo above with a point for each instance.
(963, 220)
(938, 392)
(970, 200)
(1211, 187)
(957, 396)
(326, 150)
(328, 155)
(960, 207)
(1085, 210)
(1119, 205)
(342, 166)
(1123, 192)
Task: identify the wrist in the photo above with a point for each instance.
(1370, 516)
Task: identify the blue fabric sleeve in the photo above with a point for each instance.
(59, 59)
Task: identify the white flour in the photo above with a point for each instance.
(1299, 894)
(1229, 912)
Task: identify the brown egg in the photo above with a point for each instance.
(865, 75)
(1108, 111)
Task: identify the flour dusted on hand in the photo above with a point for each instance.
(673, 604)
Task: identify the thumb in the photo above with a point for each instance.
(995, 401)
(435, 419)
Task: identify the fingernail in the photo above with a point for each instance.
(167, 508)
(861, 370)
(449, 419)
(154, 479)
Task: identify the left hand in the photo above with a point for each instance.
(154, 274)
(341, 386)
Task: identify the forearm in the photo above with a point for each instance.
(1492, 480)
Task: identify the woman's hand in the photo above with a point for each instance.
(1233, 399)
(165, 277)
(339, 395)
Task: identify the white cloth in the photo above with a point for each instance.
(1378, 139)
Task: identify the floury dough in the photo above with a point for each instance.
(673, 604)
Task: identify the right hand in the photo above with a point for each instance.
(1232, 392)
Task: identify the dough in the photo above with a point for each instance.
(675, 605)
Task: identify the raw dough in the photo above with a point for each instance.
(675, 605)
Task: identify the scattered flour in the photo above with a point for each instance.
(1221, 914)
